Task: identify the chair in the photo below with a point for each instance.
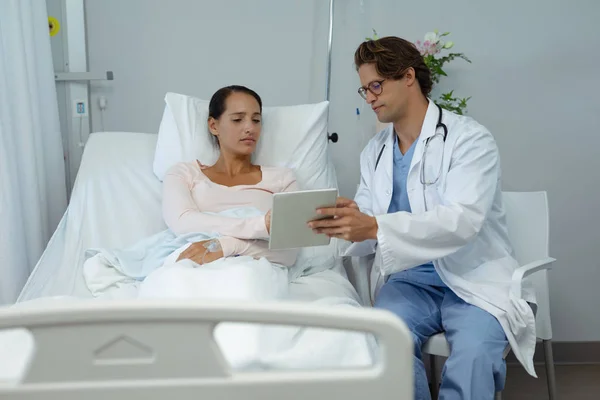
(528, 229)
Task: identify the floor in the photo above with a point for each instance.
(573, 382)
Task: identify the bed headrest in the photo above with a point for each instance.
(292, 136)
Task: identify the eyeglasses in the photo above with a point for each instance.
(375, 87)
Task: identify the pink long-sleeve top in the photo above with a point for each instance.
(188, 194)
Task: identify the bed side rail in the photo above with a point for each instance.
(166, 342)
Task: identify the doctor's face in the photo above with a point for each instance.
(387, 97)
(238, 128)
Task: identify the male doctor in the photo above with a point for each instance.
(429, 207)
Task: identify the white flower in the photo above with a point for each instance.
(448, 45)
(432, 37)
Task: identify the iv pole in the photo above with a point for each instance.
(334, 136)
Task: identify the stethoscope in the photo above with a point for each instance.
(443, 134)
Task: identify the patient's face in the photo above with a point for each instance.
(388, 104)
(238, 129)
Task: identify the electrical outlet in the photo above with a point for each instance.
(80, 108)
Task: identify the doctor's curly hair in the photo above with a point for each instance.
(392, 56)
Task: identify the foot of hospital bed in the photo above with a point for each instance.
(78, 354)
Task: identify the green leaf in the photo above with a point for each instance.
(440, 71)
(449, 102)
(447, 96)
(458, 55)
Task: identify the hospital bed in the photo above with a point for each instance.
(60, 342)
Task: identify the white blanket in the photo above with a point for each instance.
(245, 346)
(239, 278)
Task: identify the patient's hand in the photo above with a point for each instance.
(196, 251)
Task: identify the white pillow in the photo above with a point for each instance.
(181, 136)
(292, 136)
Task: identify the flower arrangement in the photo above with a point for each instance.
(431, 48)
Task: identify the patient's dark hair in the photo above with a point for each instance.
(216, 107)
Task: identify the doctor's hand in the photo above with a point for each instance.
(343, 202)
(196, 251)
(348, 223)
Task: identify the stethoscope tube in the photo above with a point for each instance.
(439, 124)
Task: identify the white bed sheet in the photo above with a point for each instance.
(116, 200)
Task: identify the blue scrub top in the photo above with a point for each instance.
(423, 274)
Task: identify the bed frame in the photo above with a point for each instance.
(125, 350)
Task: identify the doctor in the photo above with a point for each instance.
(429, 207)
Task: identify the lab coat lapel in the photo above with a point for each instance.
(413, 181)
(427, 130)
(384, 175)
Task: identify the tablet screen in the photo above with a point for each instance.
(290, 216)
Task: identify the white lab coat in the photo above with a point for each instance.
(464, 230)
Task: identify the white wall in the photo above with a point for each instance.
(196, 47)
(534, 81)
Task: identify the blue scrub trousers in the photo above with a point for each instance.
(475, 369)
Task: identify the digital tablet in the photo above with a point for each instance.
(291, 213)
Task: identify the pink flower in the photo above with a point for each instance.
(434, 48)
(428, 47)
(421, 47)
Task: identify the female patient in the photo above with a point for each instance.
(192, 190)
